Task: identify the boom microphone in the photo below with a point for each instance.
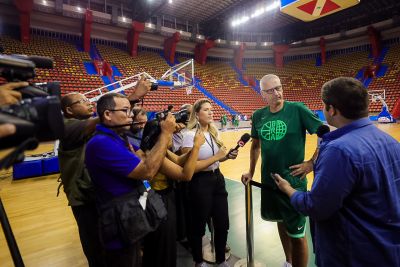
(243, 140)
(40, 62)
(322, 130)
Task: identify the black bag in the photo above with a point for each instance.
(124, 219)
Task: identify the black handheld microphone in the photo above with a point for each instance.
(243, 140)
(322, 130)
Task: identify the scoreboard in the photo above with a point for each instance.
(308, 10)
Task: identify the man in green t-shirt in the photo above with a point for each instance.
(279, 132)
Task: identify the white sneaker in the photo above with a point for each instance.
(287, 264)
(201, 264)
(223, 264)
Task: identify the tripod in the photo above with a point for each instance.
(13, 157)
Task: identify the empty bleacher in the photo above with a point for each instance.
(156, 66)
(221, 80)
(68, 62)
(390, 82)
(302, 80)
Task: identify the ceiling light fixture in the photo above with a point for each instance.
(258, 12)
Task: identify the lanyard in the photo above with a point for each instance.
(210, 144)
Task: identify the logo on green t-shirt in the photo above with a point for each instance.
(273, 130)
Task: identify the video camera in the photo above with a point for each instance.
(16, 68)
(152, 128)
(38, 115)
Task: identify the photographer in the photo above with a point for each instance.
(135, 134)
(117, 171)
(79, 127)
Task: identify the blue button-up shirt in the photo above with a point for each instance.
(355, 198)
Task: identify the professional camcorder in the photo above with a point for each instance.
(152, 128)
(38, 115)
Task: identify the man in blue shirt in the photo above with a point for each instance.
(117, 168)
(355, 197)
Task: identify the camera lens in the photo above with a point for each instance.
(154, 86)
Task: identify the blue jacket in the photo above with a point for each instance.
(355, 198)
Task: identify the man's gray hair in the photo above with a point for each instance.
(266, 78)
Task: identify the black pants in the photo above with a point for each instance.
(87, 219)
(160, 246)
(125, 257)
(183, 217)
(209, 198)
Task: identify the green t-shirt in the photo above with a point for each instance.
(71, 155)
(282, 137)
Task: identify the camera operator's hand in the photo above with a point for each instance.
(199, 138)
(168, 125)
(8, 95)
(7, 129)
(142, 88)
(179, 127)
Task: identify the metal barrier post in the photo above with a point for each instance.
(249, 261)
(249, 225)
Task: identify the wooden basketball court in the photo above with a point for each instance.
(46, 231)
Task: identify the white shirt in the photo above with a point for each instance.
(206, 150)
(177, 140)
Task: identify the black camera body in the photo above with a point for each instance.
(16, 68)
(152, 128)
(38, 115)
(180, 117)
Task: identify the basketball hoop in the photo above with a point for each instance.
(376, 95)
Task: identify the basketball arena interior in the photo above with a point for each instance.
(189, 50)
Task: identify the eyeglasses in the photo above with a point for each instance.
(271, 90)
(81, 101)
(127, 111)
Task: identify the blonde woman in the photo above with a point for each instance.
(208, 195)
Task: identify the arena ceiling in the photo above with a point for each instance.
(215, 16)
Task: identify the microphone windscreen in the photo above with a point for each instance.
(323, 129)
(42, 62)
(244, 139)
